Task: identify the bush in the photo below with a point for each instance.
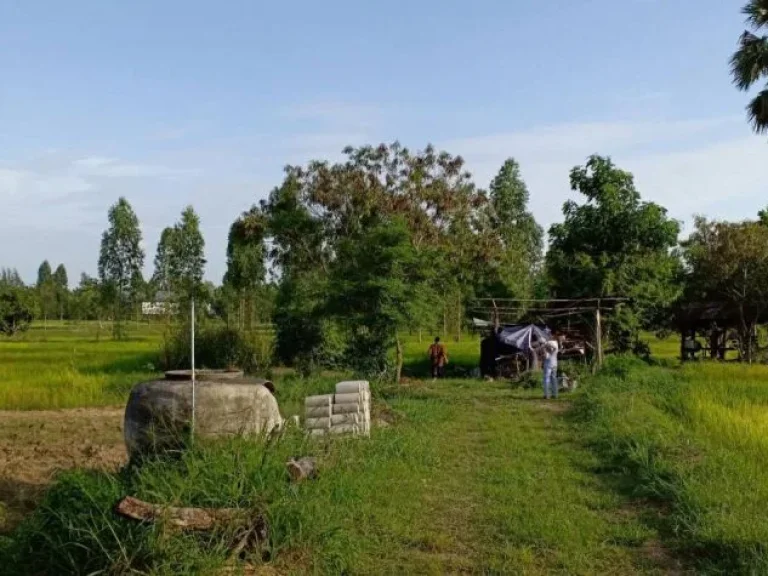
(15, 309)
(216, 347)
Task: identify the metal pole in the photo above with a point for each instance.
(193, 367)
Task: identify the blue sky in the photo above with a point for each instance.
(171, 103)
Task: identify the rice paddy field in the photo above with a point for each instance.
(72, 365)
(648, 468)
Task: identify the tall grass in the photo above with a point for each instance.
(695, 439)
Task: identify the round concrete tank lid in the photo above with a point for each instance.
(203, 375)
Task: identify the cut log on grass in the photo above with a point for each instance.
(183, 518)
(302, 468)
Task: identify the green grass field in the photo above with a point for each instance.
(693, 440)
(646, 469)
(71, 365)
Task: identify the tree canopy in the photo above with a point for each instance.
(186, 257)
(379, 286)
(162, 275)
(449, 223)
(10, 277)
(520, 237)
(749, 64)
(121, 258)
(246, 260)
(61, 287)
(614, 244)
(728, 262)
(16, 308)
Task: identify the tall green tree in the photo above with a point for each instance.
(10, 277)
(46, 291)
(186, 259)
(749, 65)
(120, 260)
(246, 259)
(61, 286)
(430, 191)
(44, 273)
(299, 250)
(728, 262)
(520, 236)
(162, 274)
(379, 287)
(615, 244)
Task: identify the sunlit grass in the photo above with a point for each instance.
(696, 436)
(73, 365)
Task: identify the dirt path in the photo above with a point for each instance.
(35, 445)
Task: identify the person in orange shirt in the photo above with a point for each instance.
(438, 358)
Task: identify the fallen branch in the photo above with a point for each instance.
(184, 518)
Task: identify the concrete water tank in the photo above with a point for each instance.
(158, 415)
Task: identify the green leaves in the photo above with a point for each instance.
(378, 286)
(246, 251)
(514, 233)
(749, 64)
(186, 260)
(121, 257)
(614, 244)
(16, 309)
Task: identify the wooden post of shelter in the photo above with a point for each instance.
(598, 335)
(495, 316)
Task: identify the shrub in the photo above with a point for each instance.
(15, 309)
(216, 347)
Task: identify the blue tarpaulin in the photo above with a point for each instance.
(522, 336)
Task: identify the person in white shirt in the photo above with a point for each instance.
(551, 348)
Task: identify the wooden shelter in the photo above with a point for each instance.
(579, 319)
(716, 322)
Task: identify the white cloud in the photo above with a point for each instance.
(22, 185)
(99, 166)
(57, 192)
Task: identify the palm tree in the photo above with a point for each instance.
(750, 63)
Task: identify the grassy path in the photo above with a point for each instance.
(510, 492)
(471, 477)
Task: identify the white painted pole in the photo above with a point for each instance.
(193, 367)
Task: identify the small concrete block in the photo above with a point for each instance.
(345, 419)
(324, 400)
(322, 423)
(349, 386)
(317, 432)
(318, 412)
(355, 398)
(344, 429)
(348, 409)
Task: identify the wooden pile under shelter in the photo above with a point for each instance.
(718, 323)
(579, 320)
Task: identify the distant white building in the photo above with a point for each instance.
(160, 306)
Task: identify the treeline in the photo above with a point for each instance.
(343, 258)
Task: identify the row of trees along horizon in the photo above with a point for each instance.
(390, 241)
